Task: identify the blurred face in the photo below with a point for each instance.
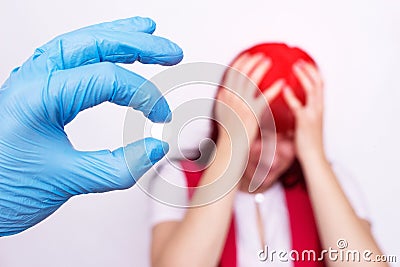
(282, 160)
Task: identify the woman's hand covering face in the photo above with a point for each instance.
(240, 103)
(308, 118)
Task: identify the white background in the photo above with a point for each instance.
(356, 44)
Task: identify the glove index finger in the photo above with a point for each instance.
(149, 100)
(87, 86)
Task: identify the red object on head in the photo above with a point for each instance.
(282, 58)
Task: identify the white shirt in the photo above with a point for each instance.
(274, 214)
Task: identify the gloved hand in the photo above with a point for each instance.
(39, 168)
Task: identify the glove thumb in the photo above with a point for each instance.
(103, 171)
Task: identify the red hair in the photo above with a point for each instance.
(282, 58)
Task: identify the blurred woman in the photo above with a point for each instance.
(304, 206)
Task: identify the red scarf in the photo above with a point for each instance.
(301, 216)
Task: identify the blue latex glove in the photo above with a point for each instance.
(39, 168)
